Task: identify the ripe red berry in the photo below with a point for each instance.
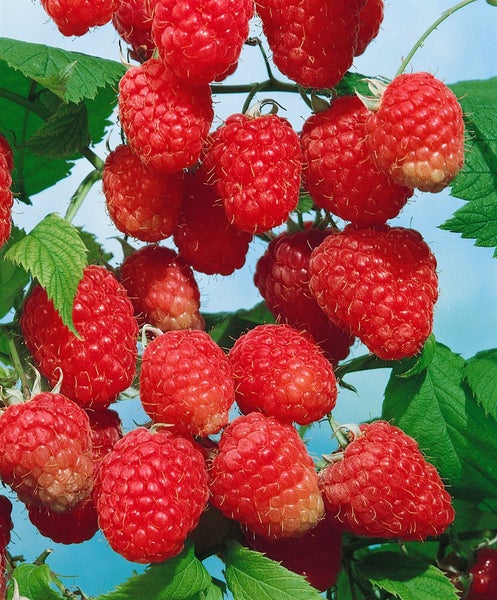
(417, 133)
(186, 382)
(483, 572)
(105, 430)
(100, 364)
(6, 526)
(370, 19)
(264, 478)
(205, 238)
(162, 288)
(339, 170)
(149, 493)
(312, 41)
(200, 41)
(381, 485)
(46, 456)
(256, 164)
(6, 195)
(317, 555)
(142, 203)
(165, 120)
(282, 277)
(283, 373)
(382, 282)
(132, 19)
(76, 17)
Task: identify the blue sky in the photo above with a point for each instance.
(463, 48)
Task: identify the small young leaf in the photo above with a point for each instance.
(35, 582)
(55, 255)
(180, 578)
(481, 375)
(252, 576)
(406, 577)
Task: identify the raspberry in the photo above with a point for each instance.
(281, 276)
(370, 19)
(417, 132)
(264, 478)
(186, 382)
(165, 120)
(150, 492)
(382, 282)
(6, 526)
(105, 430)
(201, 41)
(205, 239)
(483, 573)
(283, 373)
(312, 41)
(162, 288)
(76, 17)
(100, 364)
(73, 526)
(317, 555)
(339, 170)
(6, 195)
(255, 162)
(46, 456)
(132, 19)
(141, 202)
(381, 485)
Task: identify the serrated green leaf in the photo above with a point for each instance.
(179, 578)
(477, 181)
(481, 374)
(64, 134)
(72, 76)
(13, 278)
(438, 410)
(252, 576)
(406, 577)
(97, 254)
(213, 592)
(419, 363)
(55, 255)
(35, 582)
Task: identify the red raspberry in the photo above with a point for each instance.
(150, 492)
(6, 526)
(6, 195)
(105, 426)
(132, 19)
(264, 478)
(381, 485)
(339, 170)
(312, 41)
(73, 526)
(256, 163)
(100, 364)
(317, 555)
(76, 17)
(142, 203)
(205, 239)
(200, 41)
(283, 373)
(483, 573)
(281, 276)
(382, 282)
(46, 456)
(417, 132)
(186, 382)
(162, 288)
(370, 20)
(165, 120)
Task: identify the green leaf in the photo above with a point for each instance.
(212, 592)
(97, 254)
(13, 278)
(225, 328)
(55, 255)
(477, 181)
(481, 375)
(439, 411)
(406, 577)
(71, 76)
(252, 576)
(64, 134)
(179, 578)
(35, 582)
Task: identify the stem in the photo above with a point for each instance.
(363, 363)
(81, 193)
(93, 158)
(422, 39)
(16, 361)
